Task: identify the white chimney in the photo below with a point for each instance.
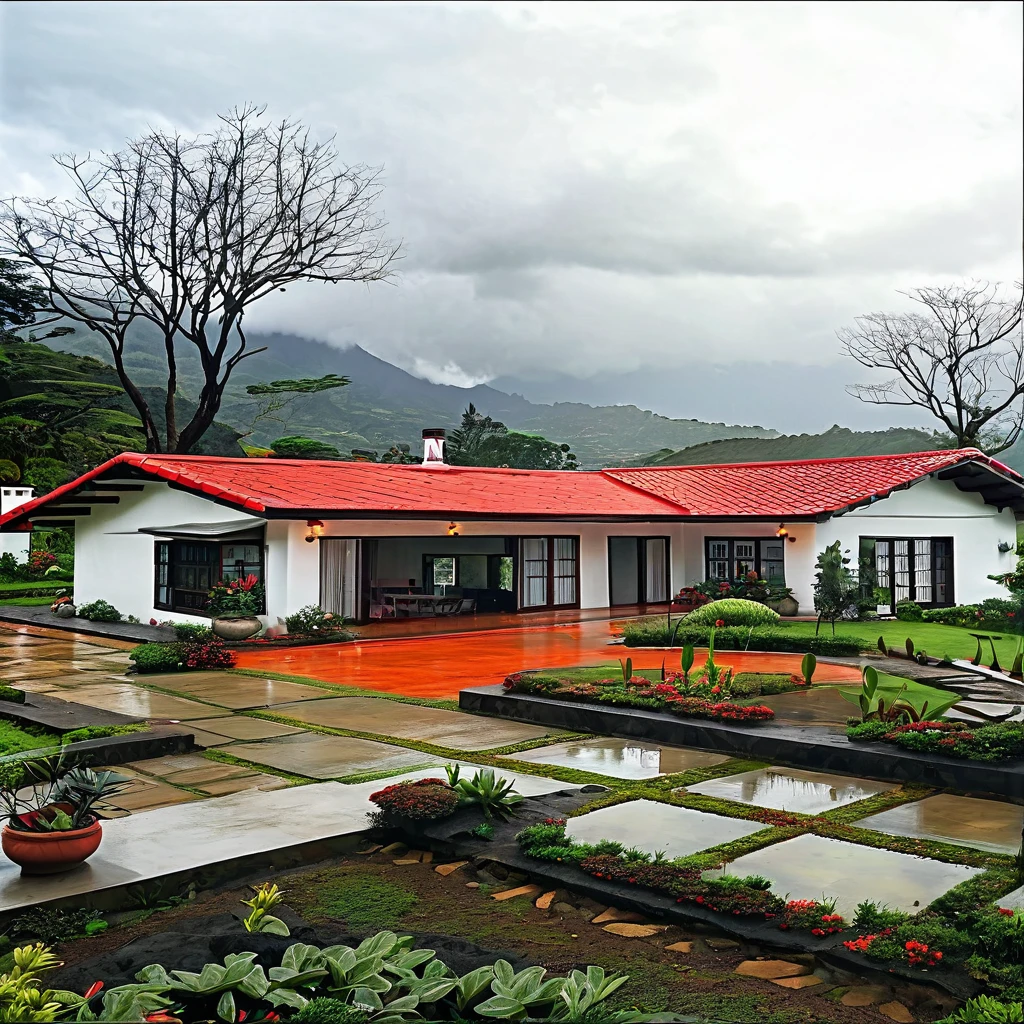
(433, 447)
(12, 495)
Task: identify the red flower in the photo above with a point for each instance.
(1006, 911)
(719, 623)
(96, 986)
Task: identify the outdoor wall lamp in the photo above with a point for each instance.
(453, 529)
(315, 529)
(1005, 546)
(783, 534)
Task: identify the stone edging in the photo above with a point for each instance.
(820, 748)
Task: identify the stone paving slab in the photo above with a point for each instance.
(454, 729)
(241, 727)
(139, 703)
(621, 759)
(330, 757)
(962, 820)
(810, 866)
(525, 785)
(653, 826)
(821, 705)
(791, 789)
(236, 692)
(194, 835)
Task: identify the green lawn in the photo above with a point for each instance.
(936, 640)
(25, 602)
(14, 740)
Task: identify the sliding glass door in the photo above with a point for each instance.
(549, 570)
(638, 570)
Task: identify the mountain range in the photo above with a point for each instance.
(387, 405)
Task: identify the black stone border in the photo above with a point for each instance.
(821, 749)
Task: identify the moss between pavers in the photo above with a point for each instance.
(344, 690)
(223, 757)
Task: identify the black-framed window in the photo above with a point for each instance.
(731, 558)
(185, 570)
(918, 569)
(549, 572)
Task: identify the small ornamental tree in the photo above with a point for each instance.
(835, 586)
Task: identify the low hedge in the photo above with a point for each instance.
(993, 741)
(32, 589)
(655, 633)
(182, 656)
(10, 694)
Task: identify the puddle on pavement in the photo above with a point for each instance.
(790, 789)
(962, 820)
(809, 867)
(653, 826)
(621, 759)
(821, 705)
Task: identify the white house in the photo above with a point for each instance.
(15, 543)
(153, 532)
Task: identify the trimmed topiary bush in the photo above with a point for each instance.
(733, 611)
(655, 633)
(909, 611)
(192, 631)
(156, 657)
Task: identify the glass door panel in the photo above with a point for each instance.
(535, 571)
(656, 570)
(564, 571)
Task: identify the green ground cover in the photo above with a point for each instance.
(14, 740)
(934, 638)
(25, 602)
(744, 684)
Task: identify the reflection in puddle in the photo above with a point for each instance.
(810, 867)
(621, 759)
(789, 789)
(961, 820)
(654, 826)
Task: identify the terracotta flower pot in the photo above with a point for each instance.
(236, 629)
(47, 853)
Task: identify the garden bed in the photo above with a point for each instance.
(820, 748)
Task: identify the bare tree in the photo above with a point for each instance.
(187, 233)
(961, 358)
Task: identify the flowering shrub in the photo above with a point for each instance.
(995, 741)
(39, 561)
(210, 653)
(421, 799)
(820, 919)
(676, 695)
(236, 598)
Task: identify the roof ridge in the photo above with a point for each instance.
(822, 460)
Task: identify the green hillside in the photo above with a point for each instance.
(385, 405)
(837, 442)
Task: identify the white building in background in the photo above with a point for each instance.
(367, 541)
(13, 496)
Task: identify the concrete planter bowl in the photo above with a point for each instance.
(236, 628)
(49, 853)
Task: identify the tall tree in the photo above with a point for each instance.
(20, 297)
(463, 444)
(188, 233)
(960, 357)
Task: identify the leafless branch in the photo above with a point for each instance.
(961, 359)
(189, 233)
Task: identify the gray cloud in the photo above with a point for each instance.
(592, 188)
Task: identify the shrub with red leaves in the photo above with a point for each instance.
(39, 561)
(724, 896)
(421, 799)
(209, 653)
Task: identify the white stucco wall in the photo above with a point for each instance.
(936, 508)
(17, 544)
(113, 561)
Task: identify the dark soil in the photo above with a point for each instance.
(348, 899)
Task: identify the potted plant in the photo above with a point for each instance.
(50, 825)
(781, 600)
(234, 606)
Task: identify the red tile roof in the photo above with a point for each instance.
(294, 488)
(804, 488)
(297, 486)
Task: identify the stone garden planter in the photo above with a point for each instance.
(236, 628)
(786, 606)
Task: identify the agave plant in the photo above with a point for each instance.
(494, 796)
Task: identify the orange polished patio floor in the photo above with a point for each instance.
(439, 666)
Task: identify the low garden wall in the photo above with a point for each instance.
(819, 748)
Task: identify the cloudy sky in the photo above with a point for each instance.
(612, 192)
